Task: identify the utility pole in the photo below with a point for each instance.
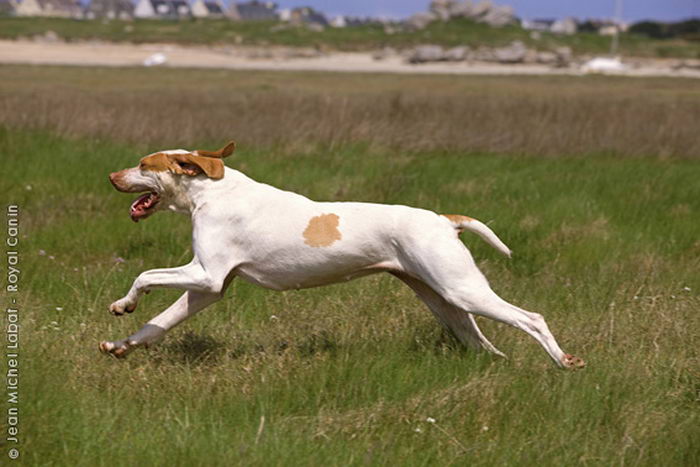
(618, 21)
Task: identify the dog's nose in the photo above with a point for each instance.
(113, 178)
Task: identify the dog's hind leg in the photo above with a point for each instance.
(486, 303)
(187, 305)
(445, 265)
(462, 325)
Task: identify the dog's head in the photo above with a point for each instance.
(163, 178)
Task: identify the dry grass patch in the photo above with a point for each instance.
(294, 112)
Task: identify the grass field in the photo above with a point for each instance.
(593, 182)
(371, 37)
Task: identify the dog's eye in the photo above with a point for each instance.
(187, 166)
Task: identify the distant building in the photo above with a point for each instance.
(540, 24)
(307, 15)
(604, 27)
(208, 9)
(163, 9)
(354, 21)
(284, 14)
(338, 22)
(556, 26)
(253, 11)
(53, 8)
(566, 26)
(110, 9)
(613, 29)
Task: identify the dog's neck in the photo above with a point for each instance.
(187, 194)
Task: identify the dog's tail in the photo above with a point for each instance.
(463, 223)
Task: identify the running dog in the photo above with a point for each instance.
(282, 240)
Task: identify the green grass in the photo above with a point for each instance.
(606, 248)
(371, 37)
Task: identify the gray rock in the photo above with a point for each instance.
(564, 56)
(420, 21)
(300, 52)
(463, 9)
(530, 56)
(484, 11)
(427, 53)
(457, 54)
(688, 64)
(516, 52)
(384, 53)
(499, 16)
(441, 8)
(484, 54)
(481, 9)
(547, 58)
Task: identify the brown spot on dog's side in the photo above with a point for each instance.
(322, 230)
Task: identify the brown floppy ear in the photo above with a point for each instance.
(221, 153)
(189, 164)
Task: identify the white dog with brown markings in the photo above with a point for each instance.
(281, 240)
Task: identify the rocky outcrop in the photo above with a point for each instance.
(426, 54)
(457, 54)
(419, 21)
(444, 10)
(498, 16)
(514, 53)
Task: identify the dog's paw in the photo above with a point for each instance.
(572, 362)
(122, 306)
(115, 349)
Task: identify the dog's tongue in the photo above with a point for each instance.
(139, 206)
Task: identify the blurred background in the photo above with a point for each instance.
(659, 37)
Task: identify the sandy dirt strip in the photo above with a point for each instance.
(241, 58)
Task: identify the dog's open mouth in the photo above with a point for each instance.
(143, 206)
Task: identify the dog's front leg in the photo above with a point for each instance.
(187, 305)
(189, 277)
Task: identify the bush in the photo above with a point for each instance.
(651, 29)
(689, 29)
